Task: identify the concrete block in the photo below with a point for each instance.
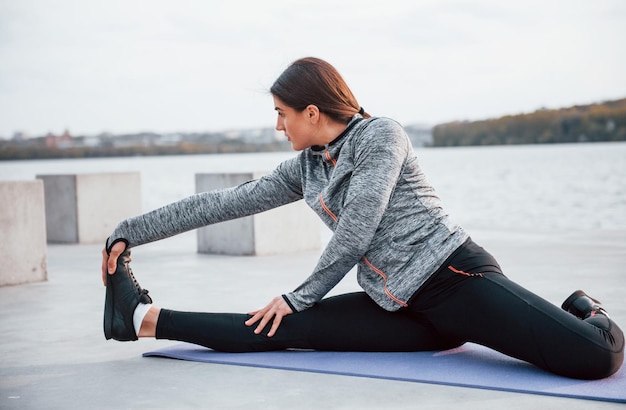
(22, 233)
(290, 228)
(85, 208)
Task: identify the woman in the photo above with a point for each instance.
(426, 284)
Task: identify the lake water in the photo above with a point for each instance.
(523, 188)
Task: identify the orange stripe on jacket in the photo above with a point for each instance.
(328, 211)
(464, 273)
(331, 159)
(382, 275)
(367, 262)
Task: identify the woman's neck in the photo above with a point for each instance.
(330, 130)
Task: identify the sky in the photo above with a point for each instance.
(124, 66)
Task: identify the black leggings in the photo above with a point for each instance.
(467, 300)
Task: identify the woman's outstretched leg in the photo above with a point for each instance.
(346, 322)
(349, 322)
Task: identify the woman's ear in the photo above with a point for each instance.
(313, 113)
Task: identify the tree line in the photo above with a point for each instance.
(184, 148)
(604, 121)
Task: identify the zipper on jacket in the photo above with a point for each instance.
(327, 210)
(329, 158)
(367, 262)
(382, 275)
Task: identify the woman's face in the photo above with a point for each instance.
(299, 128)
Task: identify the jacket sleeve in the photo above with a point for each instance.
(280, 187)
(380, 152)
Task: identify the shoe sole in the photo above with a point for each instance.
(108, 310)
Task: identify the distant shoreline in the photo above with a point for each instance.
(600, 122)
(604, 121)
(134, 151)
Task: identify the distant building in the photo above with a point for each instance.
(19, 136)
(62, 141)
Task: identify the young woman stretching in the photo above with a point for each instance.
(427, 285)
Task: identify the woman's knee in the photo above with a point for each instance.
(594, 358)
(595, 365)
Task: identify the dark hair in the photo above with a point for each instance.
(311, 80)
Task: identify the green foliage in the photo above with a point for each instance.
(183, 148)
(581, 123)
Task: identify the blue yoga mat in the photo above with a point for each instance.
(470, 365)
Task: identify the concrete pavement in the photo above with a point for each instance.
(53, 354)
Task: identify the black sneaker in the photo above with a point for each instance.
(123, 294)
(582, 306)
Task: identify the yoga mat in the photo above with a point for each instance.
(470, 365)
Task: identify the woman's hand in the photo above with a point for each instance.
(109, 261)
(277, 309)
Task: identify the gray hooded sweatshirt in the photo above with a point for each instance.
(366, 186)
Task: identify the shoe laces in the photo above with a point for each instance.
(143, 293)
